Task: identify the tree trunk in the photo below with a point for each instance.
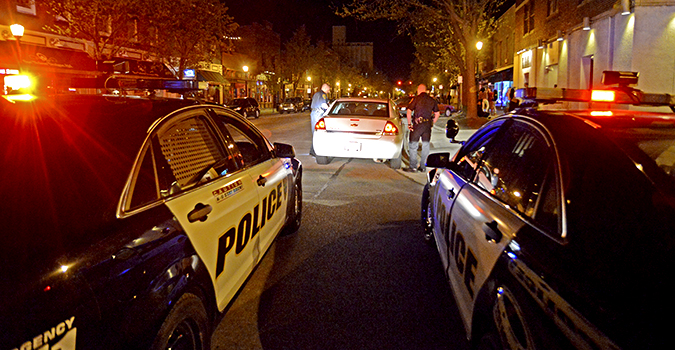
(470, 91)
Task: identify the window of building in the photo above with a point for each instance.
(551, 7)
(528, 17)
(26, 6)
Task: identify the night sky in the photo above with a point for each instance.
(392, 54)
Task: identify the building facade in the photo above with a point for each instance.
(569, 43)
(359, 54)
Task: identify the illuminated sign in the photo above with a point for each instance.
(189, 74)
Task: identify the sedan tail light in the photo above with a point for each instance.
(320, 125)
(390, 129)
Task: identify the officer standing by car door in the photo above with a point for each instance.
(319, 105)
(420, 126)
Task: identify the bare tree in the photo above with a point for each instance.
(452, 26)
(108, 24)
(297, 57)
(186, 32)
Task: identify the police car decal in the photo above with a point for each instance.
(577, 328)
(249, 225)
(227, 190)
(60, 337)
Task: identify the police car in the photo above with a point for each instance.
(556, 228)
(131, 222)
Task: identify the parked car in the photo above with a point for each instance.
(291, 105)
(556, 228)
(360, 128)
(246, 106)
(131, 222)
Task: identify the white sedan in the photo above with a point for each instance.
(360, 128)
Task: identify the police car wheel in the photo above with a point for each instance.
(257, 114)
(296, 218)
(426, 216)
(244, 114)
(185, 328)
(448, 112)
(510, 323)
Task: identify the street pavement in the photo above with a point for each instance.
(439, 143)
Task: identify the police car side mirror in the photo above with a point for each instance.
(438, 160)
(451, 130)
(283, 150)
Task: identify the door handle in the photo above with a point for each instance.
(492, 232)
(261, 181)
(451, 193)
(199, 213)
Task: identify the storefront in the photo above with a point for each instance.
(500, 81)
(52, 69)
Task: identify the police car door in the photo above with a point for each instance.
(458, 260)
(270, 174)
(208, 194)
(490, 210)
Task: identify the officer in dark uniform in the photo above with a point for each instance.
(319, 106)
(426, 114)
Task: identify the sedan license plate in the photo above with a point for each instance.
(353, 146)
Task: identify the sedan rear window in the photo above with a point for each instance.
(360, 108)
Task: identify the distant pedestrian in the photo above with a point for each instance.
(319, 106)
(492, 97)
(513, 101)
(426, 114)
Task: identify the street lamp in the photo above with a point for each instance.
(17, 31)
(245, 69)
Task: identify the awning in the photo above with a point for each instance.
(206, 75)
(45, 59)
(503, 74)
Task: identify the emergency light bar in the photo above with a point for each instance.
(619, 95)
(125, 82)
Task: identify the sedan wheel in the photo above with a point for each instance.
(323, 160)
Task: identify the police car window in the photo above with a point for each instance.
(144, 186)
(188, 153)
(515, 168)
(470, 155)
(248, 146)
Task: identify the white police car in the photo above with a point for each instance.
(556, 228)
(131, 222)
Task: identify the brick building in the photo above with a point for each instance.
(569, 43)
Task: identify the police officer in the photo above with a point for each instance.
(319, 105)
(424, 107)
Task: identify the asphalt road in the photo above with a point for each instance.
(357, 275)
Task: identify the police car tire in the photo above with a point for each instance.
(425, 217)
(244, 114)
(187, 321)
(257, 114)
(322, 160)
(448, 112)
(296, 218)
